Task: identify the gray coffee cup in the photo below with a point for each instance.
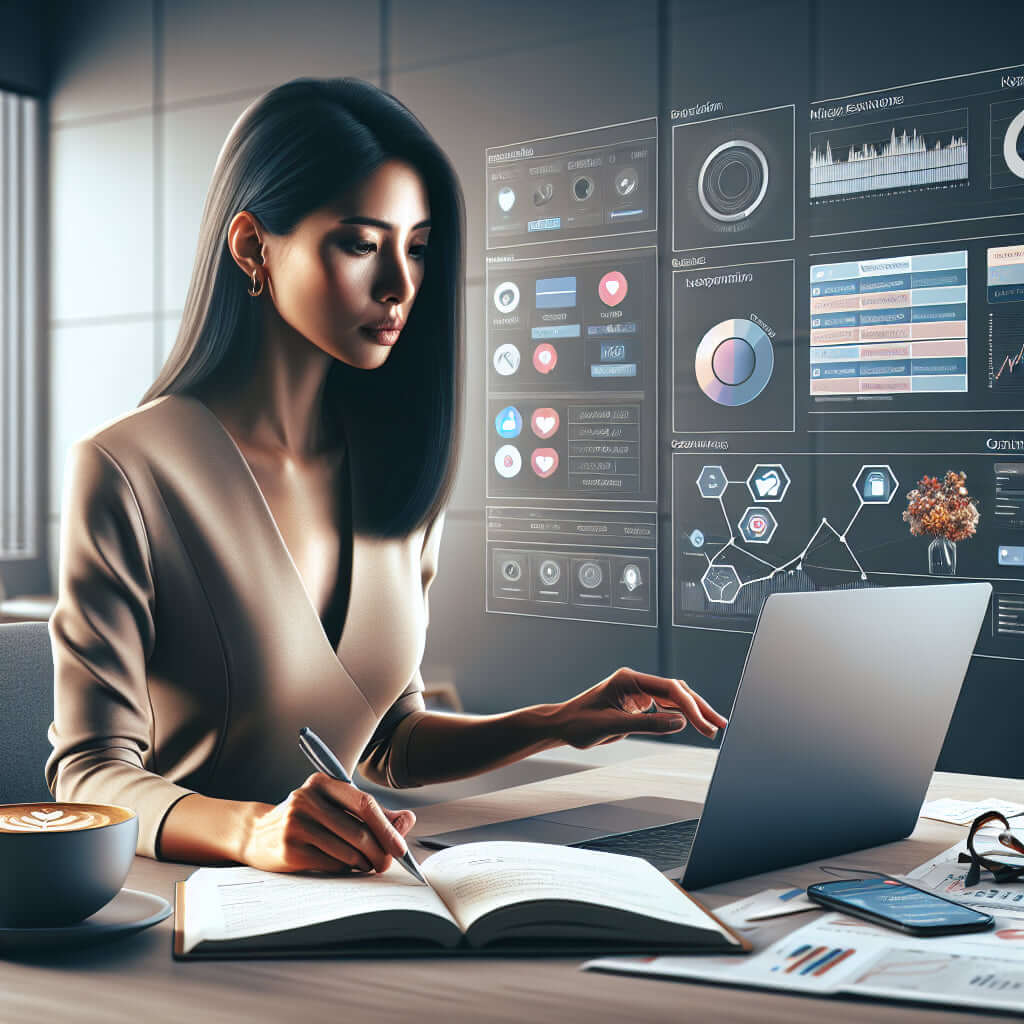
(61, 862)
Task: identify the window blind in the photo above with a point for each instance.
(19, 328)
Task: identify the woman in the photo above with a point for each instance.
(250, 549)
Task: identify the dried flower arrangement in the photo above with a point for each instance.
(942, 509)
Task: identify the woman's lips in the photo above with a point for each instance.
(382, 335)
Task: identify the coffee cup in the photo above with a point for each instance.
(61, 862)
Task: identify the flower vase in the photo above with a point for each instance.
(942, 557)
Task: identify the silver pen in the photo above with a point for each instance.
(323, 759)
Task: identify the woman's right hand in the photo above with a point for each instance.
(326, 825)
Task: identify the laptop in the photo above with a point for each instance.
(838, 721)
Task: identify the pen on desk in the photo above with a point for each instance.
(322, 758)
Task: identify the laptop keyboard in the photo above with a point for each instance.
(665, 846)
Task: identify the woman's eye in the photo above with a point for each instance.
(362, 248)
(419, 251)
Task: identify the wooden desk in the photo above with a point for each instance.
(135, 980)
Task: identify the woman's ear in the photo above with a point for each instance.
(245, 241)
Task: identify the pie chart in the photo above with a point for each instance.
(734, 362)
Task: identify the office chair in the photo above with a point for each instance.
(26, 697)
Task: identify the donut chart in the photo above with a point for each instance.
(1013, 146)
(734, 362)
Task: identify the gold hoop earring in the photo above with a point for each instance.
(258, 289)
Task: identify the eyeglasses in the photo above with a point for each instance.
(1001, 870)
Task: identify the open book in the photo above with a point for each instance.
(493, 897)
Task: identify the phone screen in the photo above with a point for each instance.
(901, 903)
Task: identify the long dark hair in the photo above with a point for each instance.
(293, 150)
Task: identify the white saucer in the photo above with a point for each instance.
(129, 911)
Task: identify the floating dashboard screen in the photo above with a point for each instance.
(585, 184)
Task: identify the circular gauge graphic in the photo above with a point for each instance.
(545, 358)
(1013, 145)
(543, 194)
(734, 362)
(506, 359)
(550, 572)
(506, 296)
(508, 461)
(511, 570)
(733, 180)
(582, 188)
(590, 575)
(509, 422)
(626, 181)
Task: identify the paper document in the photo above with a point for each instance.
(840, 954)
(764, 905)
(944, 876)
(963, 812)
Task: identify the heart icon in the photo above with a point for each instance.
(506, 199)
(544, 422)
(612, 288)
(47, 815)
(544, 461)
(545, 358)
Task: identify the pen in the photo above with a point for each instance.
(322, 758)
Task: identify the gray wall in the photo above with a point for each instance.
(142, 97)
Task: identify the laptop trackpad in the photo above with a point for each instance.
(574, 824)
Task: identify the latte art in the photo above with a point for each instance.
(52, 820)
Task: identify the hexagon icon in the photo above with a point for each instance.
(769, 481)
(721, 584)
(875, 485)
(757, 524)
(712, 482)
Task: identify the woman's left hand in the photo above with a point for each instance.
(619, 706)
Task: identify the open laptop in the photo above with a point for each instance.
(839, 717)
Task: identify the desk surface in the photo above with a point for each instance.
(135, 979)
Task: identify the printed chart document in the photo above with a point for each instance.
(944, 875)
(494, 897)
(836, 954)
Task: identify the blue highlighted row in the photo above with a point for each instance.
(613, 369)
(622, 327)
(898, 315)
(891, 283)
(1013, 273)
(899, 265)
(936, 365)
(555, 331)
(546, 224)
(1006, 293)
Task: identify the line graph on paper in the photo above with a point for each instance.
(919, 151)
(1006, 352)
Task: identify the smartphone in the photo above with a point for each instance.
(895, 904)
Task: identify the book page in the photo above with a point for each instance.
(477, 878)
(238, 902)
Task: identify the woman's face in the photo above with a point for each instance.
(347, 276)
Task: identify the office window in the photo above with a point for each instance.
(19, 325)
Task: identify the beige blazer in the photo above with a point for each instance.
(187, 652)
